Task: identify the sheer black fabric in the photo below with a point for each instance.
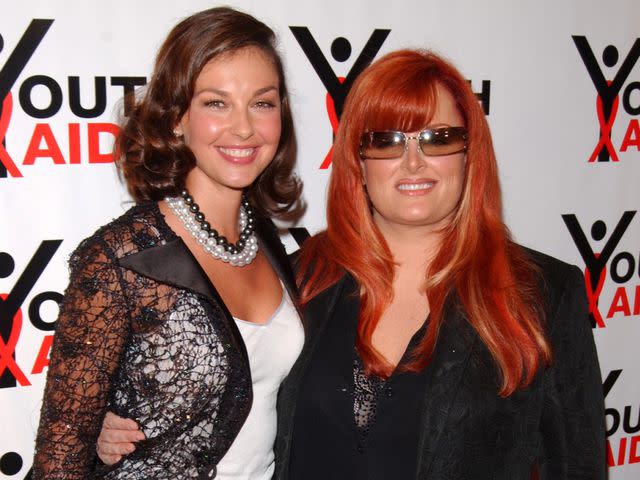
(366, 392)
(141, 332)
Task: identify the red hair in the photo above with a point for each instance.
(477, 261)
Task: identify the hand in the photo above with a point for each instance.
(117, 438)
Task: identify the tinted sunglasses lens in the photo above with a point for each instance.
(443, 141)
(382, 145)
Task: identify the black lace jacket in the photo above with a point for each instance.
(142, 332)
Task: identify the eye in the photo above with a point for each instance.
(216, 104)
(265, 104)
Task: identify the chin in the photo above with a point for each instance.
(238, 185)
(425, 221)
(238, 181)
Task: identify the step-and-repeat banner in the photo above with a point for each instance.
(559, 82)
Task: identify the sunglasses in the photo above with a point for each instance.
(432, 142)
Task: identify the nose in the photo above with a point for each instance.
(241, 124)
(413, 158)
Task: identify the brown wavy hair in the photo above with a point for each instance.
(153, 161)
(493, 278)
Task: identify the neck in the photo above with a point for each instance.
(411, 246)
(220, 205)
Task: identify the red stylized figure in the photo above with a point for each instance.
(606, 124)
(335, 121)
(593, 294)
(8, 348)
(5, 118)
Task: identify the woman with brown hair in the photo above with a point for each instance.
(180, 314)
(437, 347)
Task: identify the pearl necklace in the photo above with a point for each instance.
(237, 254)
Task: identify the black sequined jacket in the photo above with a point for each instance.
(468, 432)
(143, 332)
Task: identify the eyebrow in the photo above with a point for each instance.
(225, 94)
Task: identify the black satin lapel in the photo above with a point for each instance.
(455, 344)
(174, 264)
(270, 243)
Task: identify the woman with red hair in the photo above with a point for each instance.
(437, 347)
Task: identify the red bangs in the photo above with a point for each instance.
(406, 106)
(401, 95)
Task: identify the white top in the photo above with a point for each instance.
(273, 348)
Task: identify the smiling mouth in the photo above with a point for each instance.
(415, 186)
(237, 152)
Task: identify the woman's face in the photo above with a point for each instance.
(417, 190)
(233, 123)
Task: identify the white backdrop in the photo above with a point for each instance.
(57, 184)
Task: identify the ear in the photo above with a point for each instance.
(178, 128)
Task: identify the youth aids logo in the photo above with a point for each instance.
(623, 425)
(12, 316)
(609, 84)
(41, 97)
(605, 261)
(337, 86)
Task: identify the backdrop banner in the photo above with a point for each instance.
(558, 81)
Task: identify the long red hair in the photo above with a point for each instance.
(477, 261)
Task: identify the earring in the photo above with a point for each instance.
(177, 133)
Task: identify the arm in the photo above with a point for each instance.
(90, 332)
(573, 417)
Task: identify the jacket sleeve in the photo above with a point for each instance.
(573, 428)
(90, 332)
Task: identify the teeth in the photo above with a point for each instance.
(415, 186)
(237, 152)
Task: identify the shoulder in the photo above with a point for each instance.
(556, 276)
(138, 228)
(564, 293)
(554, 272)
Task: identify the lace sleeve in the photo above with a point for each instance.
(91, 329)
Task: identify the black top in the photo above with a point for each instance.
(466, 431)
(347, 424)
